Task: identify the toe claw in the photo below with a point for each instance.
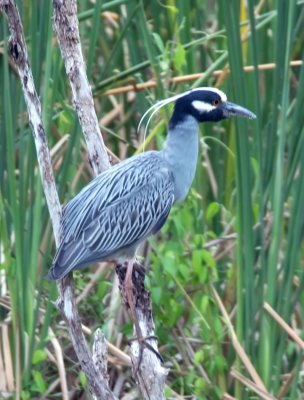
(144, 344)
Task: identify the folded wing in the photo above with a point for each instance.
(114, 213)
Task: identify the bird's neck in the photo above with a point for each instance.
(181, 152)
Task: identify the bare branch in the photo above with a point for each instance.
(17, 49)
(67, 305)
(147, 368)
(18, 52)
(100, 354)
(65, 24)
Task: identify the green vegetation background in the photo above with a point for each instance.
(249, 188)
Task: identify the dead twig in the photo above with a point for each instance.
(251, 385)
(60, 365)
(191, 77)
(237, 345)
(291, 333)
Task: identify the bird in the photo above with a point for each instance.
(121, 207)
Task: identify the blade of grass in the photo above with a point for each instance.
(278, 131)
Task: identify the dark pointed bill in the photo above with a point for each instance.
(234, 110)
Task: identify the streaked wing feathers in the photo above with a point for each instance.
(116, 211)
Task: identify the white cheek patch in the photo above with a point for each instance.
(202, 107)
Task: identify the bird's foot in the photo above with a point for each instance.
(137, 299)
(143, 343)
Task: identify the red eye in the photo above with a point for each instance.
(216, 102)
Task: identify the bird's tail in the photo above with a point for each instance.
(53, 274)
(61, 265)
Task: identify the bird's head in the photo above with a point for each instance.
(206, 105)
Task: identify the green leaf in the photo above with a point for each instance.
(199, 356)
(39, 381)
(83, 380)
(200, 387)
(208, 259)
(179, 58)
(212, 210)
(25, 395)
(169, 263)
(38, 356)
(204, 303)
(159, 43)
(184, 270)
(197, 261)
(156, 293)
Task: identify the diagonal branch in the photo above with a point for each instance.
(65, 25)
(18, 52)
(147, 369)
(17, 48)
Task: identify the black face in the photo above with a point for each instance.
(206, 105)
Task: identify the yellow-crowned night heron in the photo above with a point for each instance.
(122, 206)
